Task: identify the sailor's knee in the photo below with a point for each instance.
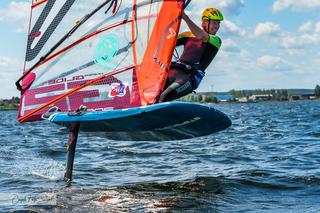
(168, 93)
(162, 98)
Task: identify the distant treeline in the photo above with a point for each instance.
(276, 94)
(9, 104)
(199, 97)
(317, 91)
(265, 95)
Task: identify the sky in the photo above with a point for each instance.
(265, 44)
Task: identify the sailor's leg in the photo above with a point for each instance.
(175, 91)
(167, 90)
(179, 88)
(167, 93)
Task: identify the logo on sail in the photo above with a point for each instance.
(106, 50)
(118, 90)
(172, 33)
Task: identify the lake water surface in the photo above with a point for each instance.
(267, 161)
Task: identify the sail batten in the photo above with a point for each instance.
(103, 64)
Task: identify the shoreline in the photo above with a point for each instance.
(8, 108)
(15, 108)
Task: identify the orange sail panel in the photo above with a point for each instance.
(155, 64)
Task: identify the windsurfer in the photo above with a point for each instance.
(200, 48)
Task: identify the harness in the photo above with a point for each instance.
(196, 73)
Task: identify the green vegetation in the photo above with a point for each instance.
(256, 95)
(317, 91)
(4, 108)
(274, 94)
(199, 97)
(9, 104)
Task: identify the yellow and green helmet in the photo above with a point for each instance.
(212, 14)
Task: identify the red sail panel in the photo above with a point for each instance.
(155, 64)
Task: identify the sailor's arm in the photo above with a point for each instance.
(197, 31)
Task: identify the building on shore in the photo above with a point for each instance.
(296, 97)
(263, 97)
(225, 98)
(255, 98)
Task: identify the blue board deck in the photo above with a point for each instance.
(159, 122)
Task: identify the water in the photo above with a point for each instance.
(268, 161)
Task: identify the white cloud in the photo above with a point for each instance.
(245, 54)
(266, 28)
(229, 29)
(273, 63)
(229, 45)
(17, 13)
(306, 27)
(232, 58)
(227, 7)
(295, 52)
(318, 27)
(300, 42)
(6, 62)
(9, 66)
(10, 69)
(295, 5)
(292, 42)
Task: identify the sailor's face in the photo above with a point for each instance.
(212, 26)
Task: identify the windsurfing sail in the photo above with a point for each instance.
(102, 54)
